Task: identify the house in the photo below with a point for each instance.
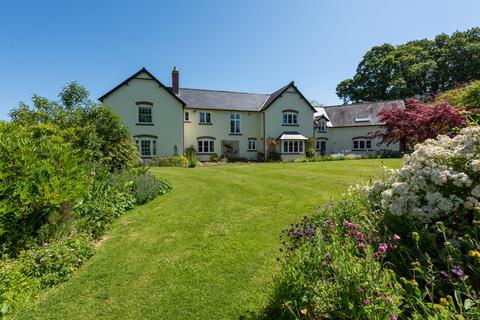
(346, 128)
(167, 120)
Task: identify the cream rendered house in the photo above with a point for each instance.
(346, 129)
(167, 120)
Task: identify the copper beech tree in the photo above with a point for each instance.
(417, 123)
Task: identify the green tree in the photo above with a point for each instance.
(88, 126)
(416, 68)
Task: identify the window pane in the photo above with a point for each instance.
(154, 148)
(294, 118)
(285, 118)
(208, 117)
(145, 148)
(144, 114)
(200, 146)
(211, 146)
(187, 116)
(369, 144)
(317, 145)
(202, 117)
(362, 144)
(300, 146)
(290, 146)
(355, 144)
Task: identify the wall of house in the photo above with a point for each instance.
(274, 126)
(250, 127)
(340, 140)
(167, 113)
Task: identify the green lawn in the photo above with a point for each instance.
(206, 250)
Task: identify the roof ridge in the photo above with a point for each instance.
(226, 91)
(361, 103)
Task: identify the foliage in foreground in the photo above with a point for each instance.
(407, 247)
(67, 172)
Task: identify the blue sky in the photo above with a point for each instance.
(246, 45)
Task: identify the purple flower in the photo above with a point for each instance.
(382, 247)
(458, 273)
(357, 234)
(367, 302)
(349, 225)
(361, 245)
(444, 274)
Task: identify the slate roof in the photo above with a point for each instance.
(222, 100)
(344, 115)
(217, 99)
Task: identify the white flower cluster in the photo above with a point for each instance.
(440, 178)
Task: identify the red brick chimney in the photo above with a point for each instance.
(175, 80)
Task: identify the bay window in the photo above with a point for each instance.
(292, 146)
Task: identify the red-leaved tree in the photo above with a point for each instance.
(417, 123)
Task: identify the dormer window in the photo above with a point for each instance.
(321, 126)
(362, 119)
(290, 118)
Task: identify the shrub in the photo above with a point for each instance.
(191, 155)
(89, 127)
(174, 161)
(405, 247)
(433, 202)
(260, 156)
(273, 155)
(214, 157)
(332, 267)
(310, 153)
(40, 267)
(42, 178)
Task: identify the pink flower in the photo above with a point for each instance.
(393, 246)
(361, 245)
(382, 247)
(396, 237)
(393, 317)
(367, 302)
(357, 234)
(361, 290)
(389, 299)
(349, 224)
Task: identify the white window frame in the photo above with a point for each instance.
(321, 126)
(205, 146)
(293, 146)
(152, 146)
(362, 144)
(235, 123)
(144, 107)
(186, 116)
(252, 145)
(289, 118)
(205, 117)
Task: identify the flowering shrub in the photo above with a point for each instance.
(404, 247)
(433, 202)
(333, 267)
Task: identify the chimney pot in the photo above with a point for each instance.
(175, 80)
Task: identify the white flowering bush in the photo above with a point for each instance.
(439, 180)
(433, 203)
